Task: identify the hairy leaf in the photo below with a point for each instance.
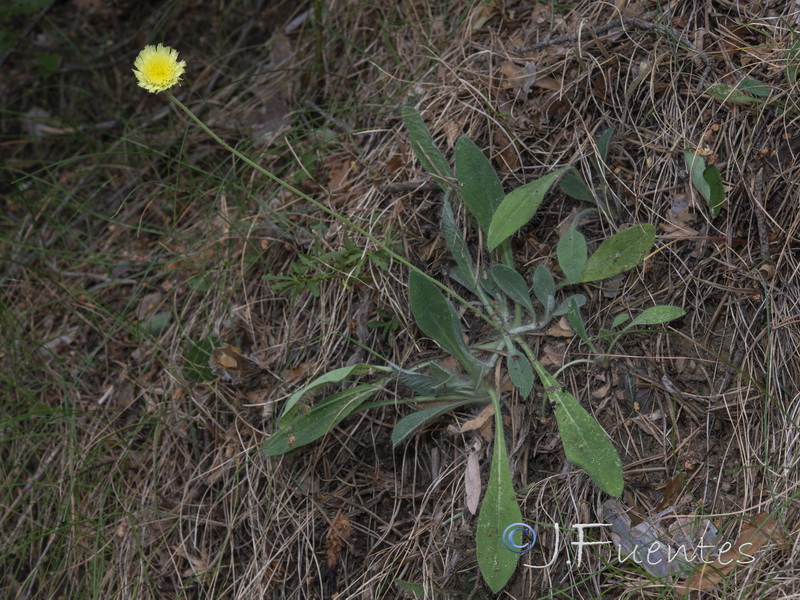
(480, 187)
(437, 319)
(415, 421)
(336, 376)
(498, 510)
(429, 155)
(655, 315)
(716, 199)
(572, 253)
(305, 427)
(573, 185)
(519, 369)
(518, 207)
(585, 443)
(512, 284)
(621, 252)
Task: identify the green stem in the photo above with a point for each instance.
(322, 207)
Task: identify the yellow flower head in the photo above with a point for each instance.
(158, 68)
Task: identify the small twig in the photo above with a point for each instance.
(621, 24)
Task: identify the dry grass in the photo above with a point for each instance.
(124, 479)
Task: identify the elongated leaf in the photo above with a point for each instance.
(415, 421)
(578, 299)
(544, 287)
(697, 166)
(621, 252)
(335, 376)
(518, 207)
(754, 87)
(576, 319)
(456, 244)
(792, 61)
(585, 443)
(519, 369)
(573, 185)
(572, 253)
(480, 187)
(716, 199)
(603, 144)
(457, 275)
(437, 319)
(498, 510)
(306, 427)
(655, 315)
(730, 93)
(619, 320)
(439, 382)
(429, 155)
(512, 283)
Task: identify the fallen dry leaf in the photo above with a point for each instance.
(761, 529)
(472, 477)
(478, 421)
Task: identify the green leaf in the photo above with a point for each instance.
(499, 509)
(518, 207)
(456, 244)
(519, 369)
(290, 407)
(429, 155)
(573, 185)
(195, 361)
(480, 187)
(713, 178)
(305, 427)
(621, 252)
(512, 284)
(585, 443)
(437, 319)
(655, 315)
(572, 253)
(415, 421)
